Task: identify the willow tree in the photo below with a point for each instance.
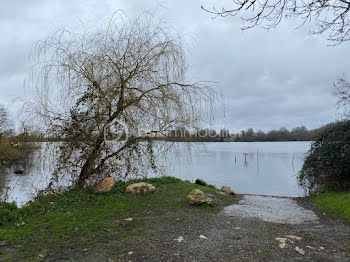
(126, 79)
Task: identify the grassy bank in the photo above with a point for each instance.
(67, 225)
(334, 203)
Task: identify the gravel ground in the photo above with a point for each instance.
(256, 228)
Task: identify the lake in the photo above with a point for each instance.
(269, 168)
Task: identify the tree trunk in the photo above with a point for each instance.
(87, 170)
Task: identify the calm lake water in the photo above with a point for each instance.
(270, 168)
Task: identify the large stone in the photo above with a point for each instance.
(197, 197)
(140, 188)
(227, 190)
(105, 185)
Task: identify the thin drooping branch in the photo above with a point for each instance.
(330, 16)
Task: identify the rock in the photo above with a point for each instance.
(140, 188)
(198, 197)
(294, 237)
(227, 190)
(201, 182)
(299, 250)
(282, 241)
(179, 239)
(105, 185)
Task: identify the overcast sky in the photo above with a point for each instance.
(283, 77)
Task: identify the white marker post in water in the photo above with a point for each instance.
(245, 159)
(245, 156)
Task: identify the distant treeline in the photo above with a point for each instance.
(249, 135)
(201, 135)
(283, 134)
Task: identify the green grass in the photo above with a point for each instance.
(78, 219)
(334, 203)
(266, 252)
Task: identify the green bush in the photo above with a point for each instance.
(327, 164)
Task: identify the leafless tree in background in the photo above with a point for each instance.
(342, 92)
(330, 16)
(4, 120)
(123, 78)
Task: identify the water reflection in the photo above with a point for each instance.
(19, 168)
(20, 187)
(245, 163)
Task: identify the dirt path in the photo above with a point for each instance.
(256, 228)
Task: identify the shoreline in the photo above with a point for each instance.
(115, 226)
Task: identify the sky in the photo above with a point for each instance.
(266, 79)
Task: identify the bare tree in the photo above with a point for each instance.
(4, 121)
(342, 91)
(125, 79)
(329, 16)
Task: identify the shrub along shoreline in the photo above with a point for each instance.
(12, 150)
(326, 170)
